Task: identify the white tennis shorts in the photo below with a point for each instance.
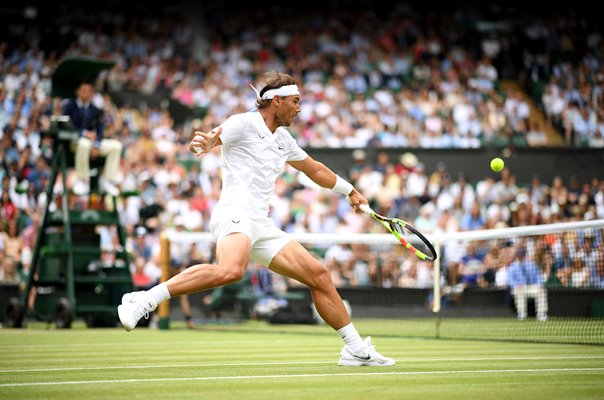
(267, 240)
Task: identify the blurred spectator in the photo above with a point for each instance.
(537, 190)
(493, 261)
(447, 223)
(10, 238)
(416, 274)
(389, 273)
(417, 181)
(8, 211)
(485, 191)
(596, 275)
(506, 189)
(361, 264)
(359, 157)
(580, 274)
(536, 137)
(445, 198)
(547, 266)
(370, 182)
(472, 267)
(28, 239)
(464, 190)
(472, 219)
(8, 271)
(407, 163)
(426, 221)
(563, 256)
(341, 258)
(508, 251)
(140, 278)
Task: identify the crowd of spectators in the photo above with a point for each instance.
(394, 80)
(563, 71)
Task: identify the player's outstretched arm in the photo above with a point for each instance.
(325, 177)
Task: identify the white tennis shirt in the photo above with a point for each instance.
(252, 160)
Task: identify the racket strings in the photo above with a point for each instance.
(411, 237)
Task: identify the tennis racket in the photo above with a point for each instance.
(409, 237)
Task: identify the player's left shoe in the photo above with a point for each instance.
(135, 306)
(371, 358)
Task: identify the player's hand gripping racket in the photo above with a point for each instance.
(405, 233)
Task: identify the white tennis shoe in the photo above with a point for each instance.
(370, 359)
(81, 187)
(109, 187)
(135, 305)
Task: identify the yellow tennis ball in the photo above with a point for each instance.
(497, 164)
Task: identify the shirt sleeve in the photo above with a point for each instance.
(233, 129)
(294, 152)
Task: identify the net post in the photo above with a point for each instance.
(436, 288)
(164, 253)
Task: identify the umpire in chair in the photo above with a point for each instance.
(87, 119)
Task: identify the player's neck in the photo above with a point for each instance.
(269, 120)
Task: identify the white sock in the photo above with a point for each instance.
(353, 340)
(159, 293)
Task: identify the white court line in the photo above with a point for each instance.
(245, 364)
(13, 346)
(253, 377)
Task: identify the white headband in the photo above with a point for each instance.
(287, 90)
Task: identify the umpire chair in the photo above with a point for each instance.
(70, 276)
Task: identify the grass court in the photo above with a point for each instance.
(258, 361)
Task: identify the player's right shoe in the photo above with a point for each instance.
(371, 358)
(135, 305)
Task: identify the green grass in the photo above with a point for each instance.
(259, 361)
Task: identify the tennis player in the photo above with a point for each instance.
(255, 148)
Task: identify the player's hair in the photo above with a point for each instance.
(274, 80)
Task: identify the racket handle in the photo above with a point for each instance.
(365, 208)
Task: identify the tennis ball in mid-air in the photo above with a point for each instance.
(497, 164)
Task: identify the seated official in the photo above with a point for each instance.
(88, 120)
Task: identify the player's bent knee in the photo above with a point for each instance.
(319, 277)
(114, 145)
(84, 144)
(232, 275)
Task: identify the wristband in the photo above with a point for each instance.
(342, 186)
